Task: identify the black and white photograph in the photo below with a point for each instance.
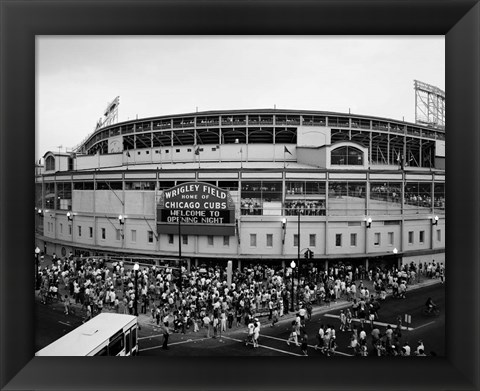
(240, 196)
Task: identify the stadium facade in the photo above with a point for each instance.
(248, 185)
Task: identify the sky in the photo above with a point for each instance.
(78, 76)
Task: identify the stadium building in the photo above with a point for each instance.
(248, 185)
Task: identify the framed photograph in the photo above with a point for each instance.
(35, 38)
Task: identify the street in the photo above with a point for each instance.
(52, 323)
(272, 340)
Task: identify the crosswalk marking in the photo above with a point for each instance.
(175, 343)
(310, 346)
(368, 322)
(266, 347)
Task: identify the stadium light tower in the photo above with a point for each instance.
(429, 105)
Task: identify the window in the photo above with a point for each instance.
(184, 239)
(134, 235)
(210, 240)
(259, 195)
(269, 240)
(140, 185)
(338, 240)
(421, 236)
(102, 185)
(390, 238)
(313, 240)
(347, 198)
(353, 240)
(387, 197)
(347, 155)
(226, 240)
(104, 235)
(295, 240)
(116, 346)
(127, 344)
(253, 240)
(439, 235)
(79, 230)
(102, 352)
(150, 236)
(61, 228)
(50, 163)
(118, 234)
(177, 150)
(410, 237)
(91, 231)
(376, 239)
(170, 238)
(134, 337)
(69, 229)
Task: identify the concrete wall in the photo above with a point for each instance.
(313, 136)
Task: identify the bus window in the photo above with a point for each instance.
(134, 338)
(102, 352)
(127, 343)
(116, 345)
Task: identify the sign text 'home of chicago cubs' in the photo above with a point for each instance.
(200, 208)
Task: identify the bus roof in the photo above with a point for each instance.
(88, 336)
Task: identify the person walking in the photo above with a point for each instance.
(304, 344)
(215, 324)
(320, 336)
(274, 317)
(293, 334)
(206, 324)
(256, 333)
(166, 333)
(223, 322)
(343, 321)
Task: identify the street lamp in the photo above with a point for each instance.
(284, 227)
(69, 216)
(435, 220)
(135, 268)
(298, 252)
(37, 261)
(121, 219)
(292, 265)
(369, 222)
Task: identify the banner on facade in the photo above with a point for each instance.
(196, 208)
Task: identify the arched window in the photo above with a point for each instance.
(50, 163)
(347, 155)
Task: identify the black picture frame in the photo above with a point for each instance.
(21, 21)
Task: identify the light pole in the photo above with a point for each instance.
(37, 261)
(298, 253)
(135, 302)
(292, 265)
(179, 239)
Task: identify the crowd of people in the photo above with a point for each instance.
(305, 208)
(200, 298)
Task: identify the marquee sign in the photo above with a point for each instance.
(198, 208)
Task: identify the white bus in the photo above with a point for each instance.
(107, 334)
